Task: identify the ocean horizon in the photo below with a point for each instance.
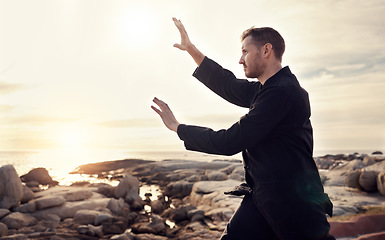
(60, 163)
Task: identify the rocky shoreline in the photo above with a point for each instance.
(190, 203)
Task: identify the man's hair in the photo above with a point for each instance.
(264, 35)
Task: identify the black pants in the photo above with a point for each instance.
(249, 223)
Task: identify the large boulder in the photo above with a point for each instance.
(28, 194)
(128, 189)
(39, 175)
(48, 202)
(352, 179)
(216, 176)
(118, 207)
(179, 189)
(358, 225)
(86, 216)
(351, 166)
(17, 220)
(381, 183)
(3, 230)
(368, 181)
(11, 188)
(4, 212)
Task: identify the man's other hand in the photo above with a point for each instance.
(166, 114)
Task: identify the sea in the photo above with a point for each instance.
(60, 163)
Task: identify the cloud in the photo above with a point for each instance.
(6, 88)
(131, 123)
(6, 108)
(35, 120)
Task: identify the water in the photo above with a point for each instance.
(60, 162)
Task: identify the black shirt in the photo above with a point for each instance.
(275, 136)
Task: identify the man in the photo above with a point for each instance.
(286, 199)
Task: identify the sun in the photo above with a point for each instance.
(71, 138)
(137, 26)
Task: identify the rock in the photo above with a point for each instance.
(368, 161)
(27, 207)
(50, 221)
(157, 207)
(32, 184)
(107, 190)
(84, 229)
(11, 188)
(3, 230)
(181, 213)
(116, 225)
(358, 225)
(78, 195)
(48, 202)
(376, 158)
(3, 212)
(351, 166)
(119, 207)
(101, 218)
(28, 195)
(15, 237)
(128, 189)
(193, 178)
(352, 179)
(124, 236)
(39, 175)
(17, 220)
(211, 193)
(368, 181)
(216, 176)
(155, 226)
(98, 231)
(196, 215)
(381, 183)
(377, 153)
(220, 214)
(324, 163)
(373, 236)
(148, 236)
(179, 189)
(238, 174)
(85, 216)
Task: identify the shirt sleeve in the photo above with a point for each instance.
(224, 83)
(266, 113)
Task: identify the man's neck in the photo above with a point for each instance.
(270, 71)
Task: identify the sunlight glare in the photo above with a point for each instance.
(137, 26)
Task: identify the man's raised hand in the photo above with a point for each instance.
(186, 45)
(166, 114)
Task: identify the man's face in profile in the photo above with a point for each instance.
(251, 59)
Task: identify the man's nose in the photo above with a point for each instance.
(241, 60)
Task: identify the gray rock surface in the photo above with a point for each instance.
(3, 230)
(128, 189)
(49, 202)
(381, 183)
(11, 188)
(17, 220)
(39, 175)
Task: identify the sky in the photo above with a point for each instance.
(82, 74)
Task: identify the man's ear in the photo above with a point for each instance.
(267, 49)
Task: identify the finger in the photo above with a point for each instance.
(162, 105)
(178, 46)
(156, 110)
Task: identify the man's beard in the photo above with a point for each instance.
(256, 71)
